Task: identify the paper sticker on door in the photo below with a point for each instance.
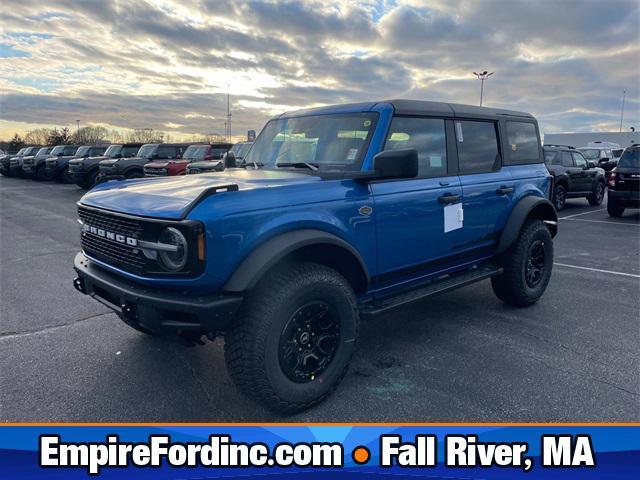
(453, 217)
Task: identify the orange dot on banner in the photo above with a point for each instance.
(361, 455)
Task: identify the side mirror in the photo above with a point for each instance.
(591, 165)
(390, 164)
(230, 160)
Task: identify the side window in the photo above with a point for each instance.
(69, 151)
(477, 146)
(523, 143)
(579, 160)
(167, 152)
(427, 136)
(567, 160)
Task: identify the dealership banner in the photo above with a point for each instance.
(325, 451)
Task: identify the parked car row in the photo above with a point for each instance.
(88, 165)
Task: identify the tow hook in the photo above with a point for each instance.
(78, 283)
(129, 312)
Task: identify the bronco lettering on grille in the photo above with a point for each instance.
(116, 237)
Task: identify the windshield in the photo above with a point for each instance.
(31, 150)
(57, 150)
(195, 152)
(82, 151)
(590, 153)
(44, 151)
(240, 149)
(328, 142)
(112, 151)
(147, 150)
(630, 158)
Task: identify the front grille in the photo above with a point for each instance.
(110, 251)
(155, 172)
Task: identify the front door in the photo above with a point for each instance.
(409, 213)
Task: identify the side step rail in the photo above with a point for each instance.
(435, 287)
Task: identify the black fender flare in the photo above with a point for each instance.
(260, 260)
(528, 206)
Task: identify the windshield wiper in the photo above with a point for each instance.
(310, 166)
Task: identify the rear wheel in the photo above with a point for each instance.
(614, 209)
(597, 195)
(527, 266)
(559, 196)
(294, 337)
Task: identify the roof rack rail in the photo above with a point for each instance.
(558, 145)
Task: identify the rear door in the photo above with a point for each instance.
(487, 189)
(409, 213)
(588, 174)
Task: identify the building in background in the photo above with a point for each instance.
(624, 139)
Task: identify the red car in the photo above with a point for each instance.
(195, 153)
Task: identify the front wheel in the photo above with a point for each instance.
(90, 180)
(527, 266)
(597, 195)
(65, 177)
(294, 337)
(133, 174)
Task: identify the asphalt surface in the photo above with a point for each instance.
(463, 356)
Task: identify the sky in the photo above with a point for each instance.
(168, 64)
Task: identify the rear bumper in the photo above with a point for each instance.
(162, 311)
(628, 198)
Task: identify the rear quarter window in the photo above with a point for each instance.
(522, 143)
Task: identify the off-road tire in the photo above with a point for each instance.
(597, 195)
(614, 209)
(40, 175)
(90, 180)
(134, 174)
(7, 173)
(64, 176)
(511, 286)
(559, 196)
(252, 345)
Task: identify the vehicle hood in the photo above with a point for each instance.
(173, 197)
(64, 158)
(205, 164)
(96, 159)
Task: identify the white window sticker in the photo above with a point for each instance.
(352, 154)
(459, 131)
(435, 161)
(453, 217)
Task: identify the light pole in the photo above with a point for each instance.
(482, 77)
(77, 127)
(624, 94)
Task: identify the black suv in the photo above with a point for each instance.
(624, 182)
(36, 166)
(573, 176)
(119, 168)
(84, 171)
(57, 168)
(11, 165)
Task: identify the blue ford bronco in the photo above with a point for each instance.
(341, 213)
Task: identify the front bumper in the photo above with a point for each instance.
(77, 175)
(164, 312)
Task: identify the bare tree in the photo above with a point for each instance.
(39, 136)
(145, 135)
(90, 135)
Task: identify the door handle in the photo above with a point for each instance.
(448, 198)
(504, 190)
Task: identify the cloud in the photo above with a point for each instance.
(155, 63)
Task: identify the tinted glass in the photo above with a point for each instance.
(216, 153)
(427, 136)
(579, 160)
(630, 158)
(523, 143)
(44, 151)
(567, 160)
(129, 151)
(82, 151)
(477, 146)
(96, 151)
(57, 150)
(70, 150)
(167, 152)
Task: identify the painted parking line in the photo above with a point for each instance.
(583, 213)
(600, 221)
(633, 275)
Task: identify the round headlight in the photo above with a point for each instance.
(175, 260)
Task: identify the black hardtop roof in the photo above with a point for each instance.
(422, 107)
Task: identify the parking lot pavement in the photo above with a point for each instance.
(463, 356)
